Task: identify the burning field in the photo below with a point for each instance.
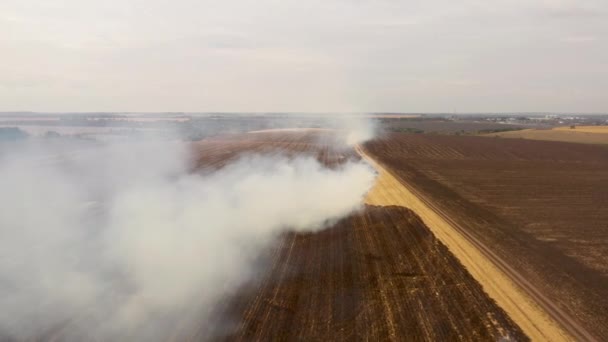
(378, 274)
(131, 241)
(174, 255)
(292, 235)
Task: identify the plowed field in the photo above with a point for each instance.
(541, 206)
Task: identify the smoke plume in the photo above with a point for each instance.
(354, 128)
(120, 242)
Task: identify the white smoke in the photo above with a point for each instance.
(355, 128)
(120, 242)
(360, 130)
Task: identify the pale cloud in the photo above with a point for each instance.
(272, 55)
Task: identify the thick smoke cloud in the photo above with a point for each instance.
(122, 242)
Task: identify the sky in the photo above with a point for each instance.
(304, 56)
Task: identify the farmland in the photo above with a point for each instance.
(442, 126)
(588, 129)
(378, 274)
(215, 152)
(541, 206)
(497, 279)
(583, 134)
(462, 238)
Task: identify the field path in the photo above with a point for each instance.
(538, 317)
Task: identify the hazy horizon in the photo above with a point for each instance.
(9, 112)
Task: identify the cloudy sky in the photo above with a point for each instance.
(313, 55)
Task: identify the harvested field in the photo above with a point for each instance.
(377, 275)
(215, 152)
(541, 206)
(483, 265)
(588, 129)
(584, 136)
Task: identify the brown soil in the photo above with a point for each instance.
(502, 283)
(377, 275)
(541, 206)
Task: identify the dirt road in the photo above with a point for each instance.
(538, 317)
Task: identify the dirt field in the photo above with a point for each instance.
(594, 135)
(542, 206)
(496, 278)
(215, 152)
(377, 275)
